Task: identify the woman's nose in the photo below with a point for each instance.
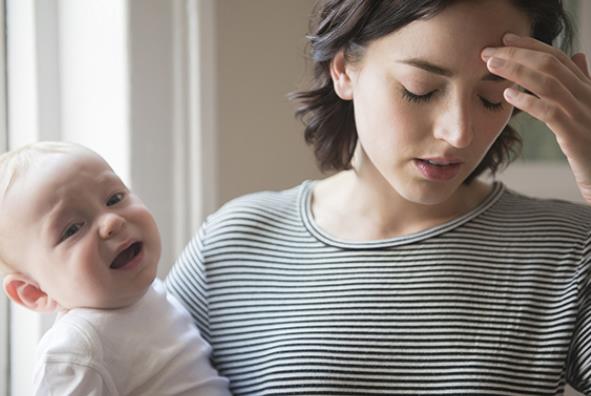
(455, 126)
(110, 225)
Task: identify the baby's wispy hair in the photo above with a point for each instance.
(14, 164)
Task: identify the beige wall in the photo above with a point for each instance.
(260, 59)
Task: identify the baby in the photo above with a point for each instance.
(75, 240)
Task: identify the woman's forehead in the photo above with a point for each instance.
(461, 26)
(454, 38)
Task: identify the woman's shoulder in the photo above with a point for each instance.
(264, 200)
(560, 212)
(280, 205)
(552, 205)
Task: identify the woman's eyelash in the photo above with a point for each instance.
(490, 105)
(411, 97)
(414, 98)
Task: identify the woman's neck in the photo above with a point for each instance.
(350, 207)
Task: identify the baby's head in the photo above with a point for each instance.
(71, 233)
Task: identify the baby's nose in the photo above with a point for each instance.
(110, 225)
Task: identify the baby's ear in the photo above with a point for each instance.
(24, 291)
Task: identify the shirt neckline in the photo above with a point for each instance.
(305, 209)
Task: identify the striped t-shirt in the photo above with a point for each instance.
(496, 302)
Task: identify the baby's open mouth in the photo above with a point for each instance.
(127, 255)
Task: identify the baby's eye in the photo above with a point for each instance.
(71, 230)
(115, 199)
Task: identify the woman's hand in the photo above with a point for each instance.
(560, 95)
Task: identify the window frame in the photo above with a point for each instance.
(4, 306)
(53, 66)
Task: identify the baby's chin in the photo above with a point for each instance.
(110, 302)
(141, 284)
(138, 293)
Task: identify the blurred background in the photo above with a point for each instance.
(187, 100)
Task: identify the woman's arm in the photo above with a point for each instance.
(560, 95)
(187, 281)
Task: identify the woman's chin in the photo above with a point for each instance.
(427, 193)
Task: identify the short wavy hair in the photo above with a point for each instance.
(350, 25)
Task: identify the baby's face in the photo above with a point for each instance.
(78, 231)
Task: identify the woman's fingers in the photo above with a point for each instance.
(534, 70)
(559, 95)
(541, 109)
(526, 42)
(543, 85)
(580, 60)
(545, 71)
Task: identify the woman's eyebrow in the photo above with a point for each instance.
(442, 71)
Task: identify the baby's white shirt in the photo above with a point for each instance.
(149, 348)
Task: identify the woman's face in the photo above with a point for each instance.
(426, 107)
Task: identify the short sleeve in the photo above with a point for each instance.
(69, 362)
(579, 360)
(56, 378)
(187, 281)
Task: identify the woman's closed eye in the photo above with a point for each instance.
(493, 106)
(415, 98)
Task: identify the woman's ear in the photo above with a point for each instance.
(24, 291)
(341, 79)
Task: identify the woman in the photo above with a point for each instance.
(403, 273)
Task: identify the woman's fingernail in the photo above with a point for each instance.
(487, 53)
(510, 93)
(496, 63)
(510, 38)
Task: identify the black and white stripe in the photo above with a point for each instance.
(493, 303)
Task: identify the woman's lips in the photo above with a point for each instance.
(438, 169)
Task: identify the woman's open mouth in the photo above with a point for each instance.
(127, 256)
(438, 170)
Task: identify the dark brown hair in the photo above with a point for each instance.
(350, 25)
